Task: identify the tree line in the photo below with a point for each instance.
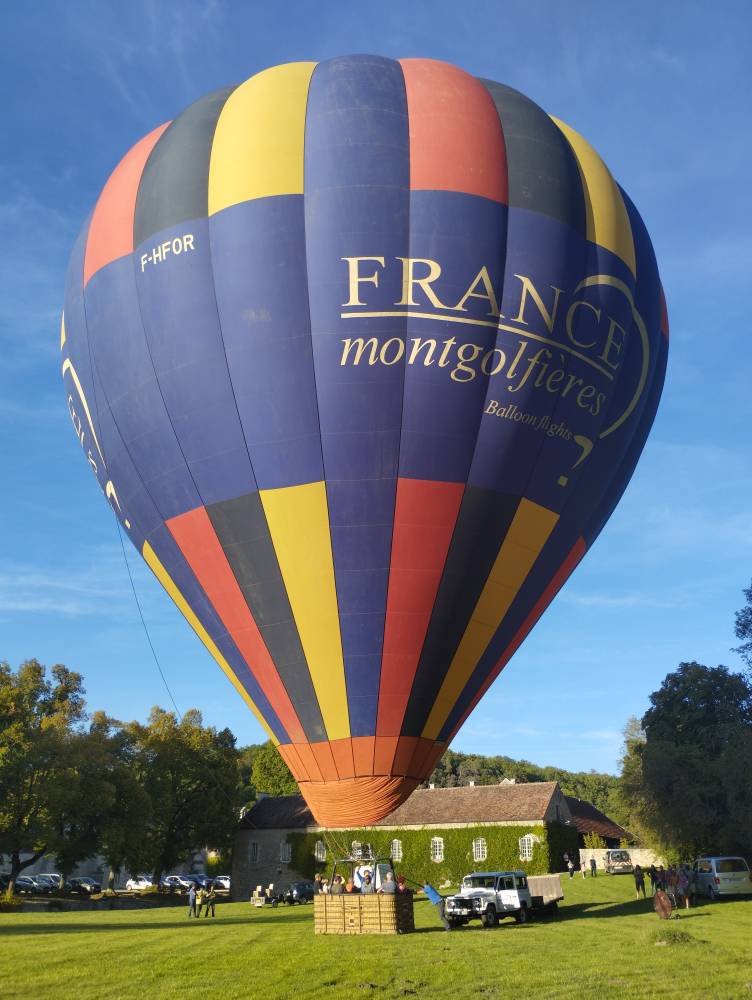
(143, 796)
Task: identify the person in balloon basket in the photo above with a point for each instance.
(317, 885)
(388, 886)
(367, 885)
(192, 901)
(338, 886)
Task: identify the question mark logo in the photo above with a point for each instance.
(587, 446)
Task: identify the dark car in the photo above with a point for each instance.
(299, 892)
(29, 886)
(83, 886)
(202, 881)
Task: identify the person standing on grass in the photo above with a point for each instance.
(192, 901)
(583, 869)
(210, 900)
(653, 873)
(593, 867)
(639, 881)
(570, 867)
(200, 896)
(438, 901)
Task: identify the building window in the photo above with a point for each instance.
(319, 850)
(437, 849)
(285, 852)
(480, 849)
(396, 849)
(526, 847)
(253, 853)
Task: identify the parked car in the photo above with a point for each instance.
(139, 882)
(618, 862)
(84, 886)
(202, 880)
(53, 878)
(722, 876)
(28, 885)
(172, 883)
(298, 892)
(222, 881)
(487, 896)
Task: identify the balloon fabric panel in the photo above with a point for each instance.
(363, 354)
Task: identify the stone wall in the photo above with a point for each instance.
(258, 859)
(642, 856)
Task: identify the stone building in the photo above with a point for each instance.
(438, 834)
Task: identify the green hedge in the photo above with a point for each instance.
(502, 844)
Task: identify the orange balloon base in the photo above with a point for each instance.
(356, 802)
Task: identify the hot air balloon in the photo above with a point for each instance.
(363, 354)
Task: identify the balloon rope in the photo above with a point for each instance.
(159, 666)
(143, 621)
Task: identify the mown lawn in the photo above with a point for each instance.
(603, 944)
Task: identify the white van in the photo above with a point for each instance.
(718, 876)
(618, 862)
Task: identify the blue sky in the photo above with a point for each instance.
(661, 90)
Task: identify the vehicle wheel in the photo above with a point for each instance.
(489, 917)
(712, 894)
(453, 922)
(521, 916)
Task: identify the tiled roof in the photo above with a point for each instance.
(473, 804)
(288, 812)
(588, 819)
(442, 806)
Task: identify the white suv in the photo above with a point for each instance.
(487, 896)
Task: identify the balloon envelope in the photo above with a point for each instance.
(363, 354)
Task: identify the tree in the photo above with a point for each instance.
(189, 773)
(676, 779)
(123, 816)
(37, 759)
(270, 774)
(743, 629)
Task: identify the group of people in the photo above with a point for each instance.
(584, 866)
(677, 881)
(367, 884)
(204, 899)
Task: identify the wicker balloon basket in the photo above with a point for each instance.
(355, 912)
(369, 914)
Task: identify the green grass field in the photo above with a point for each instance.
(603, 944)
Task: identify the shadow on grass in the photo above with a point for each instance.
(631, 908)
(91, 927)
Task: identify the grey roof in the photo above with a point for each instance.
(588, 819)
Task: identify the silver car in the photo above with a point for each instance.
(722, 876)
